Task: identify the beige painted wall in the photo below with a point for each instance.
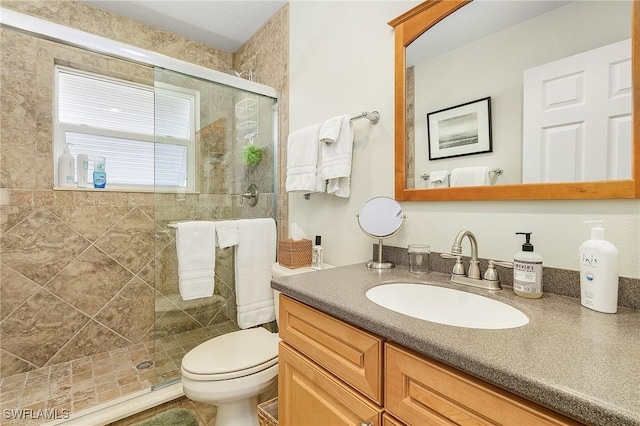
(350, 69)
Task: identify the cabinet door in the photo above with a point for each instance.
(310, 396)
(352, 354)
(420, 391)
(388, 420)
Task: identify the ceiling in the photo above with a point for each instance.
(223, 24)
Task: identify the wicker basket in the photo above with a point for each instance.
(268, 413)
(294, 254)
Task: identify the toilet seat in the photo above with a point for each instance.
(232, 355)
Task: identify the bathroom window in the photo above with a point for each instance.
(146, 134)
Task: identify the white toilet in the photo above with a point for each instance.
(232, 369)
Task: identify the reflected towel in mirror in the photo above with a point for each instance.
(470, 176)
(439, 179)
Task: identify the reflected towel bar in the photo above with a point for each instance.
(373, 116)
(497, 171)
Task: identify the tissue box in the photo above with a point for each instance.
(294, 253)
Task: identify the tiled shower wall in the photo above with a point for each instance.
(79, 267)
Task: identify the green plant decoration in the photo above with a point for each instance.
(251, 154)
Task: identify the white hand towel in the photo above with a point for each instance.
(330, 129)
(196, 251)
(255, 254)
(439, 179)
(336, 160)
(227, 233)
(470, 176)
(302, 159)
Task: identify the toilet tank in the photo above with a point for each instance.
(277, 270)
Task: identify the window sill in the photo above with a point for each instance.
(125, 189)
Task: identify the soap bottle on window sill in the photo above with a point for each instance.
(316, 254)
(66, 169)
(99, 173)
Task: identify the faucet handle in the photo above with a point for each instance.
(491, 274)
(458, 268)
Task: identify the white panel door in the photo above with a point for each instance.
(577, 117)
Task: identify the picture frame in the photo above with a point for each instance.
(460, 130)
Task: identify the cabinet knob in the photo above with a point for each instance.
(366, 424)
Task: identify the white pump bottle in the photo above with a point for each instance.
(66, 168)
(599, 272)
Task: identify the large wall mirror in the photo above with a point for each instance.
(508, 87)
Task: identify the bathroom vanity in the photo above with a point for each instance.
(345, 360)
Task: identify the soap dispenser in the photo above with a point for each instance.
(599, 272)
(527, 270)
(316, 254)
(66, 169)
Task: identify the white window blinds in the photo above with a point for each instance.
(147, 136)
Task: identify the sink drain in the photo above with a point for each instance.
(144, 365)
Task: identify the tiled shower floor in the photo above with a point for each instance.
(50, 393)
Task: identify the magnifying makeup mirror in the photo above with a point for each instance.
(381, 217)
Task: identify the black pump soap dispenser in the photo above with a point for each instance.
(527, 270)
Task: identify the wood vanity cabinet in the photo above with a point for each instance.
(421, 391)
(331, 374)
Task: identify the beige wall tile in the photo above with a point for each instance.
(45, 232)
(90, 281)
(40, 327)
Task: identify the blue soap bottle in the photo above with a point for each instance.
(99, 173)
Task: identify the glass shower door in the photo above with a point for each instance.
(212, 142)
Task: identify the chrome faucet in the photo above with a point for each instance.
(472, 278)
(456, 248)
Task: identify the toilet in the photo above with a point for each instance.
(232, 369)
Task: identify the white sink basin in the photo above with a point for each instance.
(446, 306)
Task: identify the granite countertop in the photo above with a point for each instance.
(579, 362)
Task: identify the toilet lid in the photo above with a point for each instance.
(237, 351)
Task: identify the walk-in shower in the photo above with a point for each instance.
(90, 309)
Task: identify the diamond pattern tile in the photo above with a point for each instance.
(90, 281)
(14, 290)
(123, 313)
(40, 327)
(40, 246)
(130, 241)
(93, 338)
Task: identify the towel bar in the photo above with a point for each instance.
(373, 116)
(497, 171)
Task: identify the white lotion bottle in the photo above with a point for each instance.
(66, 169)
(316, 254)
(527, 270)
(599, 272)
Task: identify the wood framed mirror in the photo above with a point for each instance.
(417, 21)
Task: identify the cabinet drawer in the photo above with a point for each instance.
(420, 391)
(311, 397)
(348, 352)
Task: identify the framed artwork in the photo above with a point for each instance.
(460, 130)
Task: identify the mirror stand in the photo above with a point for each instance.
(380, 217)
(372, 264)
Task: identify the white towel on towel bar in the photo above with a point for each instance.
(330, 129)
(255, 254)
(336, 161)
(302, 160)
(470, 176)
(439, 179)
(196, 252)
(227, 233)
